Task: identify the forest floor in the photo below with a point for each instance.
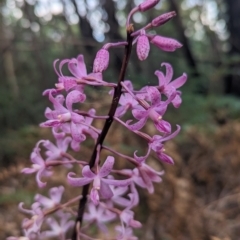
(198, 199)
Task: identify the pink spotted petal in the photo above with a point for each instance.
(166, 44)
(69, 83)
(169, 72)
(143, 47)
(106, 167)
(77, 182)
(154, 95)
(160, 20)
(101, 61)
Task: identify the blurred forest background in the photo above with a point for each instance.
(205, 180)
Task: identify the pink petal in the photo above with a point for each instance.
(94, 196)
(166, 44)
(163, 126)
(46, 202)
(77, 182)
(138, 125)
(64, 144)
(77, 67)
(28, 170)
(61, 65)
(101, 61)
(169, 72)
(141, 159)
(82, 65)
(74, 97)
(69, 83)
(75, 145)
(161, 78)
(160, 20)
(139, 114)
(106, 167)
(76, 133)
(118, 183)
(148, 4)
(121, 110)
(177, 83)
(146, 180)
(177, 101)
(105, 191)
(87, 172)
(55, 68)
(143, 47)
(165, 158)
(51, 123)
(38, 178)
(56, 194)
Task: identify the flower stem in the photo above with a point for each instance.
(106, 127)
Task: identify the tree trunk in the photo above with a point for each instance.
(232, 80)
(183, 39)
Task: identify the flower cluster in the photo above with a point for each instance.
(109, 194)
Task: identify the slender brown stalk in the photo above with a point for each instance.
(106, 127)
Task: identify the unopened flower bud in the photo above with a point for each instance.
(101, 61)
(160, 20)
(148, 4)
(166, 44)
(143, 47)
